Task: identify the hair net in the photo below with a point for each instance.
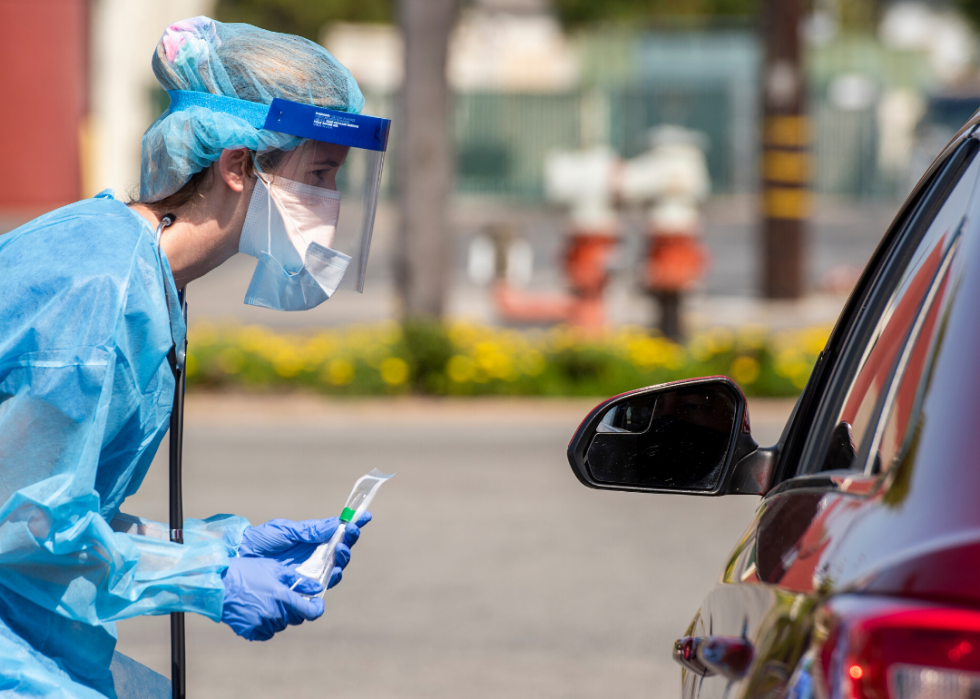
(232, 60)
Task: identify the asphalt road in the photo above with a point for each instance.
(489, 570)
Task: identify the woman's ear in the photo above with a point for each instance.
(235, 168)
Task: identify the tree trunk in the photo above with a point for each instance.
(425, 157)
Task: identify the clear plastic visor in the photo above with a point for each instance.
(328, 194)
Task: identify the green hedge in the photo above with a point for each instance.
(463, 359)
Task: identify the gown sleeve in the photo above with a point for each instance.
(56, 549)
(85, 398)
(226, 529)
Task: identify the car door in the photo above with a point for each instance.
(852, 424)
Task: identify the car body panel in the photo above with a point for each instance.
(897, 532)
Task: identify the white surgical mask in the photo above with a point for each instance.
(289, 228)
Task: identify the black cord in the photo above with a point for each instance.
(178, 647)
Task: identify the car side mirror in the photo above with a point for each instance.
(688, 436)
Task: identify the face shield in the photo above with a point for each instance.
(311, 215)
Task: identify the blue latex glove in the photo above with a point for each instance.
(258, 602)
(292, 542)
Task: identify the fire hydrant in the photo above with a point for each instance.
(586, 268)
(671, 180)
(584, 181)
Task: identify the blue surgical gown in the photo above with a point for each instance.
(86, 392)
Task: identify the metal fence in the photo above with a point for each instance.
(704, 81)
(501, 140)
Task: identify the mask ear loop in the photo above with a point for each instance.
(268, 218)
(268, 206)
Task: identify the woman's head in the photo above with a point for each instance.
(230, 60)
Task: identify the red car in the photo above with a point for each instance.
(859, 577)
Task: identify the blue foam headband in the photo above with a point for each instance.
(303, 120)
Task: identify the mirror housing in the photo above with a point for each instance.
(689, 437)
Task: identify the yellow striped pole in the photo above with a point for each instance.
(786, 167)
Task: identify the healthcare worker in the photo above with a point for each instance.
(262, 141)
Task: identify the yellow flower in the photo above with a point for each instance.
(460, 368)
(339, 372)
(643, 351)
(394, 371)
(745, 370)
(267, 348)
(287, 362)
(791, 363)
(626, 334)
(462, 334)
(815, 339)
(491, 358)
(649, 352)
(231, 360)
(254, 338)
(316, 350)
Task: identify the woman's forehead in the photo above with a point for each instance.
(319, 153)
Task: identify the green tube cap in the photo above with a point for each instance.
(347, 515)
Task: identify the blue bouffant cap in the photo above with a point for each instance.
(232, 60)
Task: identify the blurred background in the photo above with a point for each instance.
(580, 197)
(685, 187)
(561, 121)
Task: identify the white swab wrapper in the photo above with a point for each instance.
(320, 563)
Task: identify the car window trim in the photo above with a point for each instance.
(878, 295)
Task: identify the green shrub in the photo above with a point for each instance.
(464, 359)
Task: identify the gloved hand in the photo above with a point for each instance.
(258, 602)
(292, 543)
